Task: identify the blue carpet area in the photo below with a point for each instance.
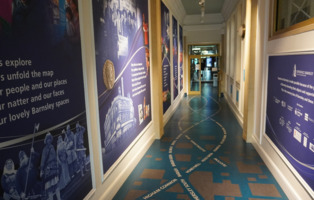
(201, 156)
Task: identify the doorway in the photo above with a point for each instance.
(203, 66)
(195, 74)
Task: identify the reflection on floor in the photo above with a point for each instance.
(201, 156)
(195, 86)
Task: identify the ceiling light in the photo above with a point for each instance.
(201, 3)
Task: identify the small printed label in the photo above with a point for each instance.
(311, 147)
(305, 141)
(297, 135)
(306, 117)
(282, 121)
(283, 104)
(290, 108)
(276, 100)
(297, 112)
(288, 126)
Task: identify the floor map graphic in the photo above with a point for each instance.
(121, 35)
(290, 111)
(44, 143)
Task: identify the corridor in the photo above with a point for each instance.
(201, 156)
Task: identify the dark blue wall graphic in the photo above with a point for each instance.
(175, 57)
(44, 141)
(165, 38)
(290, 111)
(121, 34)
(181, 56)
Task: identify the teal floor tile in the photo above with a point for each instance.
(201, 156)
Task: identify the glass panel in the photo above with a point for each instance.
(290, 12)
(203, 50)
(195, 74)
(209, 66)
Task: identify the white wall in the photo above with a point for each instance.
(209, 31)
(304, 42)
(208, 19)
(234, 76)
(292, 44)
(197, 36)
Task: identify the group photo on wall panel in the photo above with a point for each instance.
(44, 139)
(121, 32)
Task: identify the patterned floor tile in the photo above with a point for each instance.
(201, 156)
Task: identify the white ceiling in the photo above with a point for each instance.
(188, 12)
(211, 6)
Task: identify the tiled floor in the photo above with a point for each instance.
(201, 156)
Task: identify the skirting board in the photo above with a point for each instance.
(235, 111)
(113, 183)
(172, 108)
(290, 185)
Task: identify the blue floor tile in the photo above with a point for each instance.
(201, 156)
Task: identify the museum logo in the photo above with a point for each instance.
(300, 72)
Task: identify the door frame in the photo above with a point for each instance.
(189, 76)
(199, 57)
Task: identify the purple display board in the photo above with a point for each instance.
(123, 74)
(290, 111)
(165, 38)
(181, 56)
(175, 57)
(44, 143)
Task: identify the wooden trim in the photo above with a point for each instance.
(204, 44)
(199, 57)
(156, 69)
(301, 27)
(298, 28)
(189, 76)
(272, 18)
(202, 56)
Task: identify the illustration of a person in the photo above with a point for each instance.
(197, 69)
(20, 12)
(80, 149)
(8, 181)
(62, 160)
(145, 30)
(55, 11)
(75, 20)
(29, 18)
(192, 72)
(27, 184)
(70, 30)
(6, 16)
(166, 95)
(147, 60)
(49, 169)
(70, 149)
